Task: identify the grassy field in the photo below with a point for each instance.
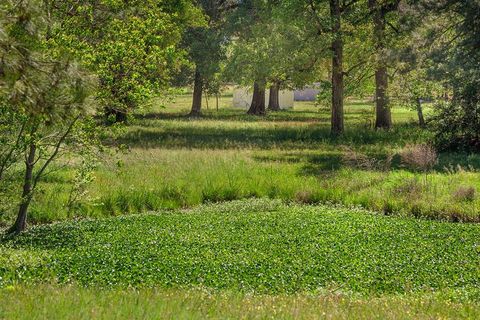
(261, 255)
(71, 302)
(255, 218)
(175, 161)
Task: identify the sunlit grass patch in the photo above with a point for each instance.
(72, 302)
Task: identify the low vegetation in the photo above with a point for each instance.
(260, 246)
(47, 302)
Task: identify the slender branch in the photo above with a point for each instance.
(54, 153)
(392, 26)
(7, 158)
(347, 72)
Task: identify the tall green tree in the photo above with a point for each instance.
(379, 10)
(132, 46)
(457, 62)
(206, 47)
(270, 50)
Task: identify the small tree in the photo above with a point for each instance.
(44, 90)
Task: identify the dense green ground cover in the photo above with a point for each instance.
(260, 246)
(175, 161)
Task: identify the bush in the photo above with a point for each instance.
(456, 126)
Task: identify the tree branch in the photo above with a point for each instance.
(9, 155)
(54, 153)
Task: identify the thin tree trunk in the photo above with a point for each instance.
(119, 115)
(206, 99)
(421, 119)
(216, 100)
(21, 221)
(273, 99)
(383, 114)
(197, 94)
(258, 100)
(337, 126)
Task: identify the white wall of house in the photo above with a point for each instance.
(242, 98)
(308, 93)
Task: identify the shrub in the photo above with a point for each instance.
(356, 159)
(456, 126)
(360, 160)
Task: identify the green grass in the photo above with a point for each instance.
(259, 246)
(175, 161)
(70, 302)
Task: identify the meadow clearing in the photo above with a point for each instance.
(174, 161)
(247, 217)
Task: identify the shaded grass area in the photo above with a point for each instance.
(51, 302)
(156, 179)
(175, 161)
(260, 246)
(208, 134)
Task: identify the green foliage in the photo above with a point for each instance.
(272, 46)
(44, 105)
(257, 245)
(133, 47)
(457, 60)
(206, 44)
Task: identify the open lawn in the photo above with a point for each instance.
(175, 161)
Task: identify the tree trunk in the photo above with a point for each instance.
(206, 99)
(197, 94)
(21, 222)
(383, 114)
(258, 100)
(421, 119)
(337, 69)
(119, 115)
(273, 99)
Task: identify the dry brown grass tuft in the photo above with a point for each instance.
(363, 161)
(465, 194)
(421, 157)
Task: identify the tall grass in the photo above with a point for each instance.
(51, 302)
(175, 161)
